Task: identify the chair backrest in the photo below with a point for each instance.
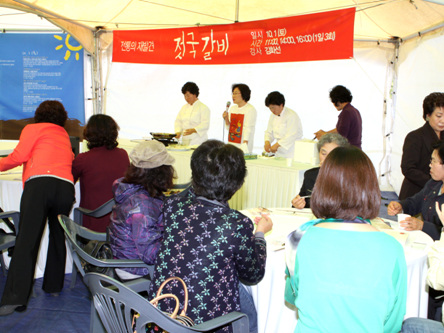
(7, 240)
(116, 305)
(73, 231)
(15, 216)
(104, 209)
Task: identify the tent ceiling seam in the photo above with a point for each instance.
(44, 12)
(185, 10)
(120, 12)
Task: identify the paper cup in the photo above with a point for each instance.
(289, 162)
(395, 226)
(402, 217)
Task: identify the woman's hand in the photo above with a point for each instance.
(267, 146)
(394, 208)
(411, 223)
(298, 202)
(225, 116)
(189, 131)
(319, 134)
(275, 147)
(264, 223)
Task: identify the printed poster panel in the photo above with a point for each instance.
(35, 68)
(321, 36)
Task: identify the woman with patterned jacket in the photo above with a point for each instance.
(136, 227)
(207, 244)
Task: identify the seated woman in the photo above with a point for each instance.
(136, 227)
(346, 276)
(424, 201)
(99, 167)
(207, 244)
(325, 145)
(435, 279)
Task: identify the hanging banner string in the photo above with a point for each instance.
(321, 36)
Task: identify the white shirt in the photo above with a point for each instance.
(195, 116)
(435, 274)
(285, 129)
(249, 125)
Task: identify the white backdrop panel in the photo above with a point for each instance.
(419, 74)
(147, 98)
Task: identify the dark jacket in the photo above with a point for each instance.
(308, 184)
(424, 202)
(349, 125)
(416, 154)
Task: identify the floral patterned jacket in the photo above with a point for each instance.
(211, 247)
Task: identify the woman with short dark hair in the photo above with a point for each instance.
(344, 275)
(349, 123)
(45, 151)
(193, 120)
(99, 167)
(418, 146)
(136, 227)
(240, 120)
(207, 244)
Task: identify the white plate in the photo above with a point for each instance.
(178, 149)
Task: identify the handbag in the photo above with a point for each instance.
(99, 250)
(180, 317)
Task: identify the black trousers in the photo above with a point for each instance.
(42, 200)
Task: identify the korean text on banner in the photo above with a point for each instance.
(321, 36)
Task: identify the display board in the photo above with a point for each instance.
(35, 68)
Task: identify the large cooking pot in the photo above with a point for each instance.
(163, 136)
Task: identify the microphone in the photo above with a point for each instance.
(223, 125)
(228, 105)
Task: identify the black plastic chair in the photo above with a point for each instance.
(8, 240)
(116, 305)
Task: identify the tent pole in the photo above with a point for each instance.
(96, 75)
(390, 94)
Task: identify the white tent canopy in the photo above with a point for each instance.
(375, 20)
(389, 77)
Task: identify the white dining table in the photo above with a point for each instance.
(5, 152)
(270, 182)
(276, 315)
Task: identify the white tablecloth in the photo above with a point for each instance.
(275, 315)
(269, 182)
(10, 194)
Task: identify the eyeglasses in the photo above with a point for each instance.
(433, 161)
(236, 93)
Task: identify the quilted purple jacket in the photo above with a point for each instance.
(136, 227)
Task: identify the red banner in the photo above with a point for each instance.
(322, 36)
